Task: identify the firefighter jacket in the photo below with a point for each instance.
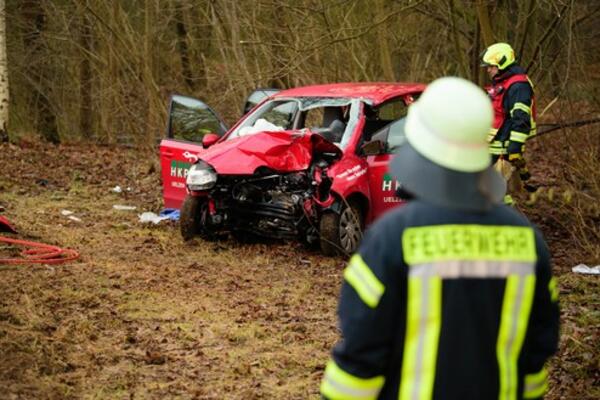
(513, 101)
(445, 304)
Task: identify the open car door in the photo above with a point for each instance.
(190, 120)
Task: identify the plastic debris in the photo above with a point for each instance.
(69, 215)
(584, 269)
(116, 189)
(148, 216)
(170, 213)
(123, 207)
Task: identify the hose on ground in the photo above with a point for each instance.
(38, 253)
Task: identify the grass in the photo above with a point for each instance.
(143, 315)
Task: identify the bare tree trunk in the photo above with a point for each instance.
(528, 22)
(4, 93)
(460, 54)
(385, 55)
(85, 76)
(475, 61)
(33, 13)
(484, 21)
(182, 46)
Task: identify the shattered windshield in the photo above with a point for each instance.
(333, 118)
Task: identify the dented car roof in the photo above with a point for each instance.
(374, 92)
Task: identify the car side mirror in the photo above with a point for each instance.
(373, 148)
(209, 139)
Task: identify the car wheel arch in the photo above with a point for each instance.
(332, 222)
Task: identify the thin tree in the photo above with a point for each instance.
(38, 69)
(4, 93)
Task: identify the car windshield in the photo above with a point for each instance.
(333, 118)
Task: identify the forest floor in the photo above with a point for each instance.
(142, 314)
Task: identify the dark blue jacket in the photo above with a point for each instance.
(446, 304)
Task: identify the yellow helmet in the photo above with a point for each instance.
(500, 55)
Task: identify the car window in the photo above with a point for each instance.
(397, 135)
(282, 114)
(393, 110)
(272, 116)
(190, 119)
(333, 118)
(393, 135)
(256, 97)
(314, 117)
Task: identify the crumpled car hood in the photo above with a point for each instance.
(282, 151)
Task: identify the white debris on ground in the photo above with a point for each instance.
(122, 207)
(70, 215)
(584, 269)
(147, 216)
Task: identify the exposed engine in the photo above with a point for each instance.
(266, 204)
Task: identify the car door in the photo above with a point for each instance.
(189, 120)
(382, 185)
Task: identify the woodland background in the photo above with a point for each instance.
(102, 71)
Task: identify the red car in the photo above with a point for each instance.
(308, 163)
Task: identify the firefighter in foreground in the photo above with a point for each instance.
(513, 101)
(450, 296)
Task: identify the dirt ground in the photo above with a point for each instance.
(143, 315)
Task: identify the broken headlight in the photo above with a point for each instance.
(201, 176)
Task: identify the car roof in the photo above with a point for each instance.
(376, 92)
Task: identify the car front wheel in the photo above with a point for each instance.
(190, 217)
(341, 233)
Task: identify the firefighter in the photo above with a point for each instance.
(450, 296)
(513, 101)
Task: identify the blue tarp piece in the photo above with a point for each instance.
(170, 213)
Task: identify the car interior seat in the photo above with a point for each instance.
(333, 125)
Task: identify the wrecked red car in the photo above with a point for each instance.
(307, 164)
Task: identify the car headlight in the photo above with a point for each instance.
(201, 176)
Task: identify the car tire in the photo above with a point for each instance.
(189, 217)
(341, 233)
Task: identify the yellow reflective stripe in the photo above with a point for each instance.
(533, 130)
(535, 384)
(339, 384)
(553, 289)
(491, 134)
(423, 324)
(427, 244)
(518, 136)
(363, 280)
(521, 106)
(496, 151)
(516, 306)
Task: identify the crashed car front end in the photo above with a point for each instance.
(279, 204)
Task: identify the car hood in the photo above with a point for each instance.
(282, 151)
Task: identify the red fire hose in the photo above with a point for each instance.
(38, 253)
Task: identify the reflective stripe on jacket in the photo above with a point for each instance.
(445, 304)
